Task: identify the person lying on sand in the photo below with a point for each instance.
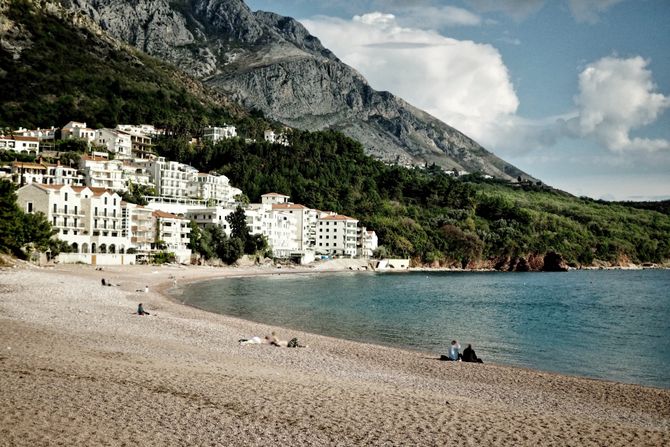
(251, 341)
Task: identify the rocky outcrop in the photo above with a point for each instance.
(272, 63)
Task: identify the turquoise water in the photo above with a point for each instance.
(604, 324)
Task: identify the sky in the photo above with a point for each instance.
(574, 92)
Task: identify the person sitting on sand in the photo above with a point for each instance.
(251, 341)
(470, 356)
(141, 311)
(453, 351)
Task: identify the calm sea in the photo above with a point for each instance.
(604, 324)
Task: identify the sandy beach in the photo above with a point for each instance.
(79, 367)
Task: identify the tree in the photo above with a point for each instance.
(230, 249)
(18, 229)
(238, 225)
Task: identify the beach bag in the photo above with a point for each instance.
(293, 343)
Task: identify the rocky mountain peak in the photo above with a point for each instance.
(272, 63)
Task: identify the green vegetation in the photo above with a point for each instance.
(21, 232)
(67, 73)
(429, 216)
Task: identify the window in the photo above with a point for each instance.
(55, 208)
(65, 208)
(95, 212)
(105, 200)
(29, 206)
(54, 224)
(66, 198)
(114, 201)
(75, 209)
(65, 221)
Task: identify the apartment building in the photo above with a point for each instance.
(172, 179)
(174, 235)
(215, 134)
(89, 219)
(337, 235)
(210, 216)
(213, 187)
(100, 172)
(21, 145)
(115, 142)
(75, 129)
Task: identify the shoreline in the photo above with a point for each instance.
(79, 356)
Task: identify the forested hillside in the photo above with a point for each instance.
(434, 218)
(54, 69)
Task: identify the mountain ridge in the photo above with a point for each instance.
(273, 64)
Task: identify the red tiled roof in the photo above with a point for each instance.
(165, 215)
(20, 138)
(288, 206)
(21, 164)
(338, 217)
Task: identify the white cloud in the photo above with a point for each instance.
(435, 17)
(582, 10)
(617, 96)
(589, 10)
(463, 83)
(517, 9)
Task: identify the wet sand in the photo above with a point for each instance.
(78, 367)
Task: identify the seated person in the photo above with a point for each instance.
(453, 351)
(141, 311)
(470, 356)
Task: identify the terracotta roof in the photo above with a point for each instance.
(20, 138)
(21, 164)
(338, 217)
(94, 158)
(165, 215)
(288, 206)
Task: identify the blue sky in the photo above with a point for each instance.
(574, 92)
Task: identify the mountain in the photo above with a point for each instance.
(56, 66)
(271, 63)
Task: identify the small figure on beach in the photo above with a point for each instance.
(470, 356)
(141, 311)
(274, 340)
(104, 283)
(251, 341)
(145, 290)
(453, 351)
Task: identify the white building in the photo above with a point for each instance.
(139, 226)
(172, 179)
(115, 141)
(101, 172)
(136, 172)
(272, 137)
(273, 198)
(367, 242)
(215, 134)
(210, 187)
(337, 235)
(21, 145)
(173, 234)
(211, 216)
(89, 219)
(47, 174)
(75, 129)
(147, 130)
